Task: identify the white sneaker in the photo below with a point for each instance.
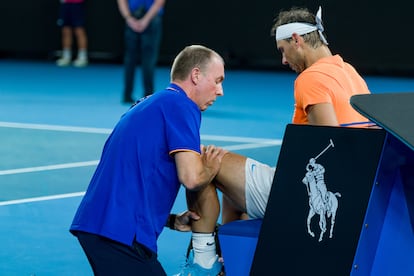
(63, 61)
(80, 62)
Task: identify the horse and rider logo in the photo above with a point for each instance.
(321, 201)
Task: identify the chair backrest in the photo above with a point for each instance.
(321, 189)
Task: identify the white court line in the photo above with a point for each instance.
(50, 167)
(40, 198)
(56, 128)
(95, 162)
(84, 164)
(108, 131)
(249, 144)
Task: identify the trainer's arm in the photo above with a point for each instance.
(181, 222)
(195, 170)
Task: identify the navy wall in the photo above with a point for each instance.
(373, 35)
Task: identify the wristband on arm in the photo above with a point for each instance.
(171, 221)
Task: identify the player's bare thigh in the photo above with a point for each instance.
(231, 178)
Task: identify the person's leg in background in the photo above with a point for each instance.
(66, 58)
(132, 41)
(66, 33)
(82, 41)
(150, 47)
(80, 34)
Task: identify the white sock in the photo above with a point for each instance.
(66, 54)
(82, 54)
(204, 248)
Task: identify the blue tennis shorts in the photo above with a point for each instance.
(72, 15)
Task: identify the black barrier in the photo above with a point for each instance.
(238, 29)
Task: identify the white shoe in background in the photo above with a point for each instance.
(63, 61)
(80, 62)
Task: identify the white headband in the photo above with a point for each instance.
(285, 31)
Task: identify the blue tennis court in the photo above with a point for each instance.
(54, 122)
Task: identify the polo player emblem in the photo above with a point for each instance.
(321, 201)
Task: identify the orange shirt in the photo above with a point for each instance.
(329, 80)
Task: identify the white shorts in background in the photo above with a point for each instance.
(259, 178)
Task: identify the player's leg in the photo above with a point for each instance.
(206, 204)
(230, 212)
(245, 184)
(231, 181)
(204, 259)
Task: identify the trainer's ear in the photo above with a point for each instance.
(195, 73)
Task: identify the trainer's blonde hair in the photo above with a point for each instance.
(194, 56)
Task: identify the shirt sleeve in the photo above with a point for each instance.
(183, 121)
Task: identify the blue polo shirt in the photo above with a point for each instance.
(135, 183)
(134, 4)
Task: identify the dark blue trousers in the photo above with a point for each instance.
(143, 46)
(108, 257)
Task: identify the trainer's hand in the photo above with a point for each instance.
(213, 152)
(183, 221)
(212, 157)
